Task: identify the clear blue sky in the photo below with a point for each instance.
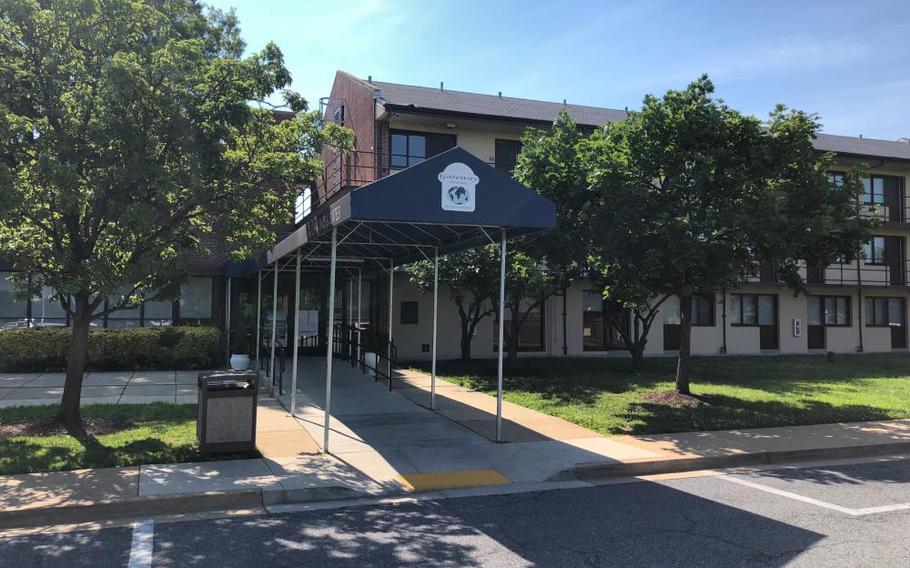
(847, 61)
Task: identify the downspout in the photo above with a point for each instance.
(859, 292)
(723, 321)
(565, 346)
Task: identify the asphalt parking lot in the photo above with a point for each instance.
(830, 514)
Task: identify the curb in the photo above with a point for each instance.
(597, 470)
(172, 504)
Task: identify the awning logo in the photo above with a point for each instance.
(459, 187)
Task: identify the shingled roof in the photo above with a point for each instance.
(855, 146)
(430, 99)
(445, 100)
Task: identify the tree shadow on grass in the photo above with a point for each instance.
(728, 413)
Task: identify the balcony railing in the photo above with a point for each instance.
(349, 170)
(885, 213)
(850, 274)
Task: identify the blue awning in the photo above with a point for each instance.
(449, 202)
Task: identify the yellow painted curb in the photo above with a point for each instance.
(452, 479)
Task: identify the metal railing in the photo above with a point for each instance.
(852, 274)
(349, 170)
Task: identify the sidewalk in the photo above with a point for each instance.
(418, 453)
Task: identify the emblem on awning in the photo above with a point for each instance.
(459, 187)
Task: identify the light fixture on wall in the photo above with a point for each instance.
(450, 125)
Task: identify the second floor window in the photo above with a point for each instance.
(874, 251)
(411, 148)
(873, 190)
(507, 155)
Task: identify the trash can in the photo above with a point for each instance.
(226, 420)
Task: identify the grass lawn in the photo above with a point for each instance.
(739, 392)
(130, 435)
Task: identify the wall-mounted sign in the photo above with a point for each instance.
(797, 327)
(308, 323)
(459, 187)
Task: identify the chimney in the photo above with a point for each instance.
(369, 78)
(860, 136)
(564, 102)
(440, 86)
(500, 94)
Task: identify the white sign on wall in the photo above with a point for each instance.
(459, 187)
(308, 323)
(797, 327)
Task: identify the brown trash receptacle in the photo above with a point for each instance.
(226, 418)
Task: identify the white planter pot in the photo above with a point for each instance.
(240, 362)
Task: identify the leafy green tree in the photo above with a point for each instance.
(693, 194)
(529, 282)
(472, 279)
(132, 132)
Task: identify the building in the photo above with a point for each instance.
(860, 306)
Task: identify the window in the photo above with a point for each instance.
(11, 310)
(836, 179)
(158, 313)
(409, 312)
(702, 311)
(873, 189)
(507, 155)
(752, 309)
(600, 319)
(884, 312)
(303, 205)
(530, 336)
(874, 251)
(410, 148)
(829, 311)
(126, 317)
(196, 298)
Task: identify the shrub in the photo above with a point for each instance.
(46, 349)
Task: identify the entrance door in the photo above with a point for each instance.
(897, 322)
(894, 259)
(894, 199)
(767, 322)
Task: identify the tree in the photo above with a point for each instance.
(471, 277)
(131, 133)
(693, 193)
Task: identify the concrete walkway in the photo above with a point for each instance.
(100, 387)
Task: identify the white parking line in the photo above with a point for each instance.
(143, 545)
(816, 502)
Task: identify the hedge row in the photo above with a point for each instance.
(46, 349)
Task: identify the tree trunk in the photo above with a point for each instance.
(638, 358)
(685, 343)
(75, 363)
(465, 344)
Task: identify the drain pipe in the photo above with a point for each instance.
(723, 320)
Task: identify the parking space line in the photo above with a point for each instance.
(142, 545)
(816, 502)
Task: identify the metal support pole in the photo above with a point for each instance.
(329, 338)
(227, 315)
(359, 322)
(391, 311)
(350, 350)
(274, 328)
(258, 317)
(435, 314)
(296, 337)
(502, 316)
